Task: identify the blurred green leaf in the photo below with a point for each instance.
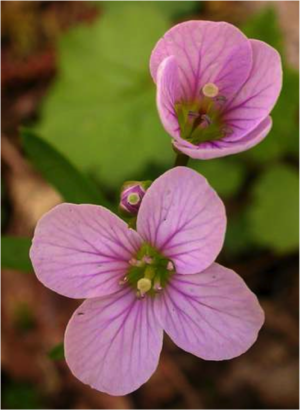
(24, 320)
(4, 205)
(225, 175)
(15, 253)
(172, 9)
(18, 395)
(273, 216)
(2, 189)
(57, 352)
(4, 216)
(238, 239)
(59, 172)
(101, 111)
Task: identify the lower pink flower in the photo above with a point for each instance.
(161, 277)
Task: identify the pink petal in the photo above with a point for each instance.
(221, 148)
(212, 314)
(205, 52)
(255, 100)
(183, 217)
(168, 93)
(113, 343)
(82, 251)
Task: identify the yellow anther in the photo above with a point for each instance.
(144, 285)
(210, 90)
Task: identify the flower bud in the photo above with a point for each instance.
(132, 194)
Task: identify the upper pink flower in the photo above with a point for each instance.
(138, 283)
(215, 88)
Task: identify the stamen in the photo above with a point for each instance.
(170, 266)
(147, 259)
(123, 281)
(157, 286)
(210, 90)
(140, 295)
(144, 285)
(135, 262)
(193, 114)
(206, 120)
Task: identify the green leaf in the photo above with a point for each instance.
(225, 175)
(2, 189)
(172, 9)
(21, 395)
(59, 172)
(57, 352)
(101, 111)
(273, 217)
(238, 239)
(4, 206)
(15, 253)
(24, 319)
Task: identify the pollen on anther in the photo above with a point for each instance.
(123, 281)
(147, 259)
(206, 119)
(210, 90)
(157, 288)
(135, 262)
(170, 266)
(144, 285)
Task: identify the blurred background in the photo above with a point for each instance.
(78, 119)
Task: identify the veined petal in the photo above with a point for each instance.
(113, 343)
(255, 100)
(212, 314)
(82, 251)
(205, 52)
(221, 148)
(168, 93)
(183, 217)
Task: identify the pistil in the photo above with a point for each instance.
(149, 271)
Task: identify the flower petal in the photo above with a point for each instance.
(221, 148)
(82, 251)
(205, 52)
(255, 100)
(183, 217)
(168, 92)
(113, 343)
(212, 314)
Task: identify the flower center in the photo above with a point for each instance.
(201, 120)
(149, 271)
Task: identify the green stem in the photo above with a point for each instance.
(181, 160)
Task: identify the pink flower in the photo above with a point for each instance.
(215, 88)
(139, 283)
